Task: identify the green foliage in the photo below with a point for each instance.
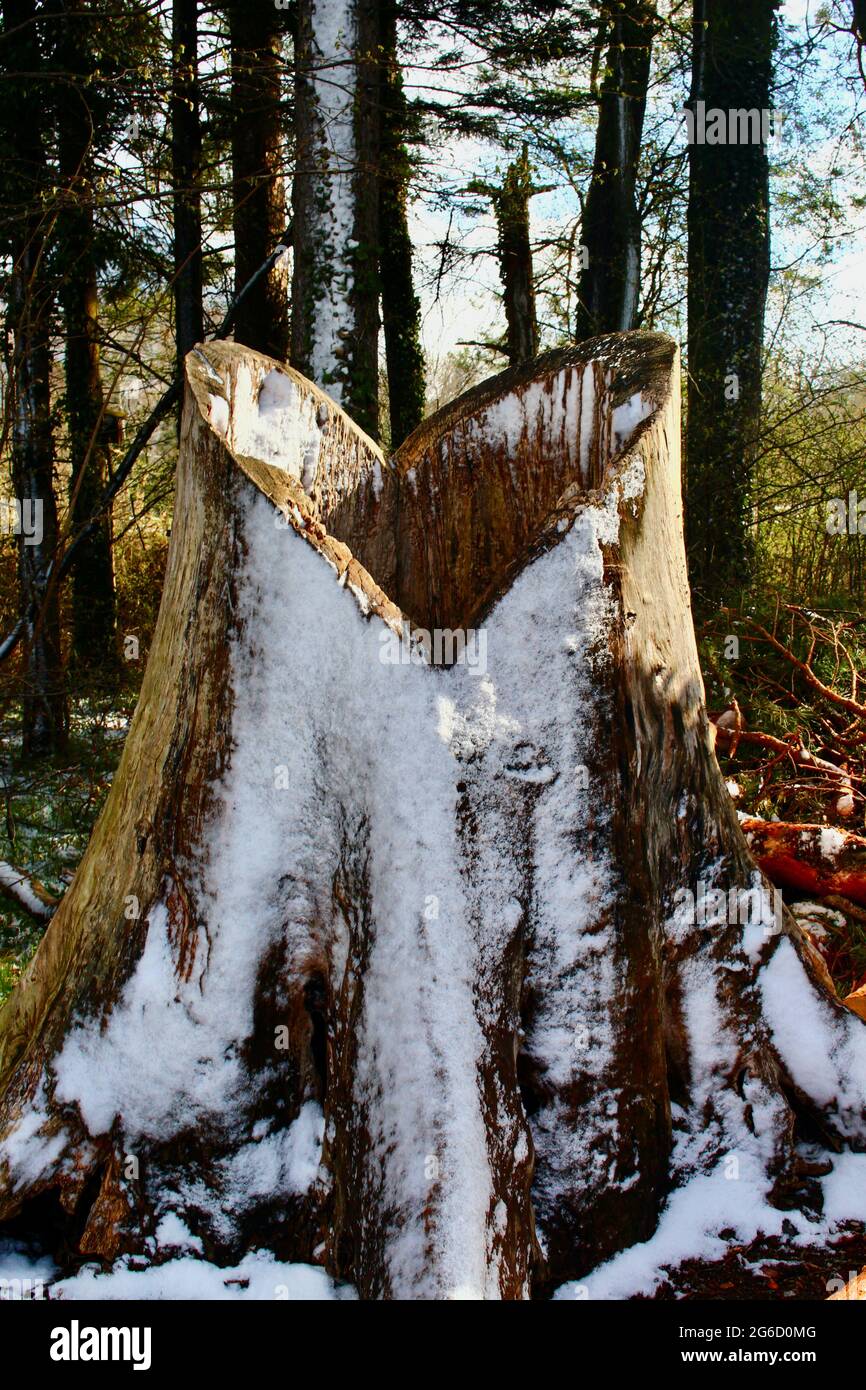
(48, 812)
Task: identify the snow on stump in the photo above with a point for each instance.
(418, 938)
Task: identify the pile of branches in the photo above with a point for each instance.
(786, 699)
(787, 704)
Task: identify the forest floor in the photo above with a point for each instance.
(47, 813)
(769, 1269)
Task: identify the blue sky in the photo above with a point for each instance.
(466, 306)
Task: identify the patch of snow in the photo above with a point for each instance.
(543, 414)
(845, 1189)
(819, 918)
(28, 1151)
(824, 1051)
(173, 1234)
(831, 842)
(587, 416)
(628, 416)
(733, 1197)
(285, 1162)
(278, 425)
(218, 414)
(258, 1276)
(18, 885)
(689, 1228)
(16, 1262)
(378, 480)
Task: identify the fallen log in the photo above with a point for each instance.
(26, 891)
(814, 860)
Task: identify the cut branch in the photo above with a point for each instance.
(791, 748)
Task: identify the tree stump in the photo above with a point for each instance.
(418, 937)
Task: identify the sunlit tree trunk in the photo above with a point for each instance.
(335, 284)
(515, 260)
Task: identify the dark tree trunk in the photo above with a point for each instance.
(93, 601)
(186, 177)
(401, 309)
(609, 286)
(335, 282)
(258, 191)
(728, 273)
(428, 934)
(29, 314)
(511, 205)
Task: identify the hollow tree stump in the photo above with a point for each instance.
(432, 973)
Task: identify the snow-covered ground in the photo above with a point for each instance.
(259, 1276)
(733, 1199)
(689, 1228)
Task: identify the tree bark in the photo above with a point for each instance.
(335, 281)
(401, 308)
(28, 316)
(510, 203)
(515, 260)
(728, 273)
(609, 286)
(258, 192)
(186, 178)
(93, 648)
(409, 936)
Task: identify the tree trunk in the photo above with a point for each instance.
(401, 308)
(258, 192)
(381, 953)
(28, 317)
(728, 273)
(186, 177)
(335, 283)
(93, 601)
(515, 260)
(611, 226)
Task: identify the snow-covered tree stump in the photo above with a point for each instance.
(437, 959)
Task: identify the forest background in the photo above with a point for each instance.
(458, 186)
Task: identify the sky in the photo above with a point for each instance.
(465, 306)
